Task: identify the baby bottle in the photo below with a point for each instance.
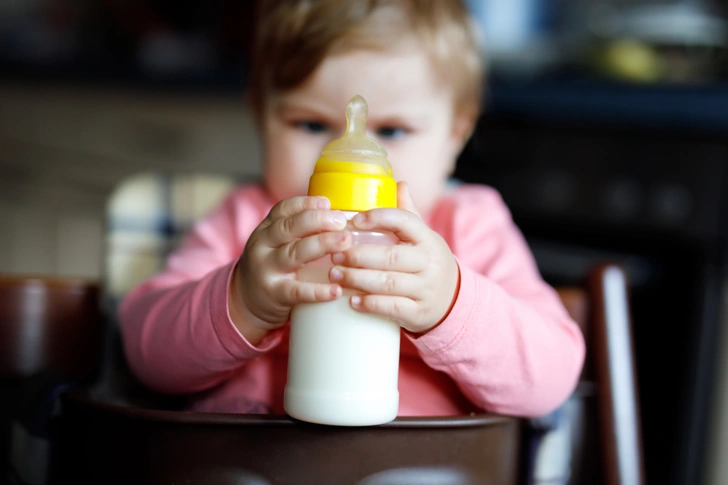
(343, 365)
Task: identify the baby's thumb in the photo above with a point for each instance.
(404, 198)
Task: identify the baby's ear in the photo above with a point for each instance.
(463, 124)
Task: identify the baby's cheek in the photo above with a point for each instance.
(281, 187)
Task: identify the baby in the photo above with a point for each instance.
(480, 328)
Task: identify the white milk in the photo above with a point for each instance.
(342, 364)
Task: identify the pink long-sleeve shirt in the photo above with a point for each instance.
(507, 346)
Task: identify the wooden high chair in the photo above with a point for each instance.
(108, 439)
(117, 433)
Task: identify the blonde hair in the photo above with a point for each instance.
(293, 37)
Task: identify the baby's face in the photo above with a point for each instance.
(409, 113)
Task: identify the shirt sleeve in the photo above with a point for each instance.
(177, 332)
(508, 342)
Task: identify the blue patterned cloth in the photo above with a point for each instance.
(146, 216)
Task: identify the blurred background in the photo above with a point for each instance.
(605, 129)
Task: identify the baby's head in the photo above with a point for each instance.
(416, 62)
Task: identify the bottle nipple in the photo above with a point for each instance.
(355, 145)
(353, 171)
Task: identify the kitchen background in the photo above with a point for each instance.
(605, 128)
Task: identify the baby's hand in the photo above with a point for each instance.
(296, 231)
(414, 282)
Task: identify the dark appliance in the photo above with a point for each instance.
(636, 174)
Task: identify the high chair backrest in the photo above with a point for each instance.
(604, 422)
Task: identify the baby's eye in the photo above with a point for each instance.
(390, 132)
(311, 126)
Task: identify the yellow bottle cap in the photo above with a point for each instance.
(353, 171)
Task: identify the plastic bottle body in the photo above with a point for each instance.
(343, 365)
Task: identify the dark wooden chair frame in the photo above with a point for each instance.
(101, 439)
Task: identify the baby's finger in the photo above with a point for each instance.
(398, 308)
(292, 292)
(377, 282)
(407, 226)
(293, 256)
(294, 205)
(403, 258)
(404, 198)
(306, 223)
